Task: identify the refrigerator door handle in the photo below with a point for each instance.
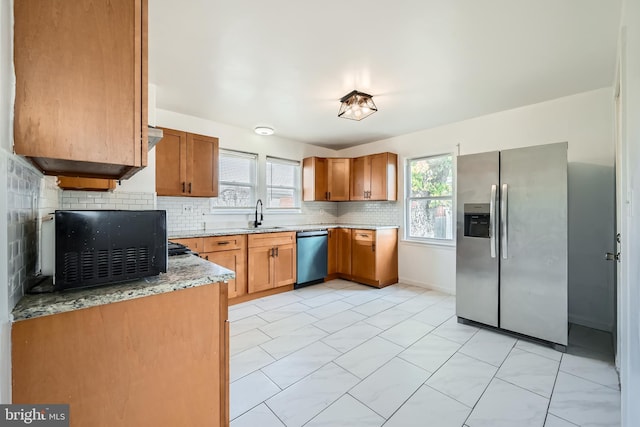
(492, 220)
(504, 221)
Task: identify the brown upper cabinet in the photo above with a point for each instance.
(325, 179)
(187, 165)
(87, 184)
(374, 177)
(81, 86)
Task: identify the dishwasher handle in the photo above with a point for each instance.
(314, 233)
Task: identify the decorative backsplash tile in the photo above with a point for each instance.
(107, 200)
(372, 213)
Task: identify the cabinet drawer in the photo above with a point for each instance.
(364, 235)
(271, 239)
(194, 243)
(224, 243)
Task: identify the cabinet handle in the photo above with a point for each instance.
(271, 252)
(224, 243)
(184, 187)
(326, 195)
(373, 247)
(206, 257)
(363, 235)
(189, 188)
(276, 251)
(329, 195)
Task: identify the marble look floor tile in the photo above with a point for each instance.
(261, 416)
(323, 299)
(275, 301)
(428, 407)
(339, 321)
(434, 315)
(328, 310)
(299, 364)
(308, 397)
(246, 324)
(339, 284)
(361, 297)
(388, 318)
(407, 332)
(448, 302)
(506, 405)
(454, 331)
(372, 307)
(346, 411)
(351, 336)
(295, 340)
(430, 352)
(530, 371)
(540, 350)
(357, 289)
(313, 291)
(553, 421)
(369, 356)
(246, 340)
(599, 342)
(489, 347)
(598, 371)
(283, 312)
(463, 378)
(422, 301)
(287, 325)
(245, 310)
(396, 299)
(248, 361)
(386, 389)
(248, 392)
(585, 403)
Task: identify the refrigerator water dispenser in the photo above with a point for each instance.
(476, 220)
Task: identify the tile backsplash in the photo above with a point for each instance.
(107, 200)
(371, 213)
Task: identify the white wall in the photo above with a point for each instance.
(585, 121)
(6, 103)
(630, 274)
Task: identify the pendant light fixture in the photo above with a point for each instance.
(356, 106)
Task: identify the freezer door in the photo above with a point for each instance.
(476, 264)
(533, 261)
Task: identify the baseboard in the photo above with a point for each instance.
(590, 323)
(427, 286)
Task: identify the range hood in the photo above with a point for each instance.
(155, 135)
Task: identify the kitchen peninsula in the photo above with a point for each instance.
(152, 352)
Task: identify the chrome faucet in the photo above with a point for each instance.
(256, 223)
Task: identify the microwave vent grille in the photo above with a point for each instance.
(71, 267)
(103, 263)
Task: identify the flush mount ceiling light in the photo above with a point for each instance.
(263, 130)
(356, 106)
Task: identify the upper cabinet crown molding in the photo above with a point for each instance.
(372, 178)
(81, 86)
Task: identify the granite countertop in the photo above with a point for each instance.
(183, 271)
(275, 229)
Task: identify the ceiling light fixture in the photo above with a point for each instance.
(356, 106)
(263, 130)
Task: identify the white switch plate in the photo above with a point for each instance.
(188, 209)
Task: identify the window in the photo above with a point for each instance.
(430, 198)
(283, 183)
(237, 180)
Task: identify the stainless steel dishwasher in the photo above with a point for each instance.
(311, 262)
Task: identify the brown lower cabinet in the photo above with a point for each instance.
(271, 260)
(159, 360)
(229, 252)
(374, 256)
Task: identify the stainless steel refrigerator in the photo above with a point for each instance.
(511, 254)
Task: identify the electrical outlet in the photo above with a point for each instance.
(188, 209)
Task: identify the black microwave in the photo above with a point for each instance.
(83, 248)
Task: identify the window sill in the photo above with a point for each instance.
(232, 211)
(283, 210)
(447, 244)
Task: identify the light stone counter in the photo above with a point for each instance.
(183, 271)
(275, 229)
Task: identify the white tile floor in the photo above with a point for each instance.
(342, 354)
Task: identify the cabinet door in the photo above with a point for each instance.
(338, 179)
(171, 164)
(202, 170)
(81, 82)
(377, 177)
(332, 251)
(88, 184)
(344, 251)
(285, 265)
(314, 179)
(260, 266)
(363, 254)
(233, 260)
(360, 171)
(193, 243)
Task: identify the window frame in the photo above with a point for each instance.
(297, 187)
(254, 185)
(408, 199)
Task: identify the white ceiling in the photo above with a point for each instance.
(285, 63)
